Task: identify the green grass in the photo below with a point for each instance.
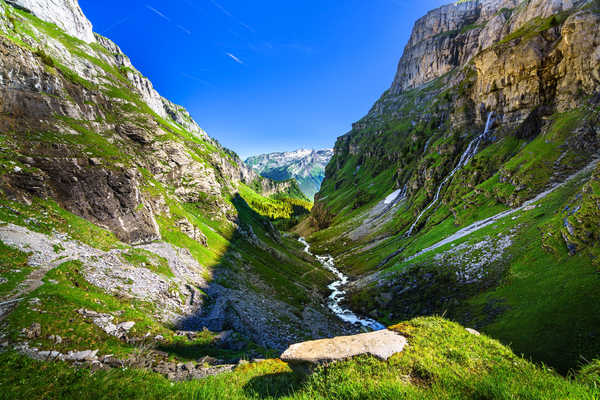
(276, 207)
(13, 268)
(442, 361)
(65, 291)
(534, 27)
(45, 216)
(539, 299)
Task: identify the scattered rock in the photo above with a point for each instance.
(126, 326)
(208, 360)
(50, 355)
(34, 331)
(55, 338)
(104, 322)
(85, 355)
(3, 280)
(381, 344)
(191, 335)
(473, 332)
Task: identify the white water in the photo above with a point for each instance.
(338, 293)
(471, 150)
(486, 222)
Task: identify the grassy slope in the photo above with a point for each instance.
(442, 361)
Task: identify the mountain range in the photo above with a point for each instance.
(307, 167)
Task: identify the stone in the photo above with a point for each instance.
(381, 344)
(55, 338)
(34, 331)
(473, 332)
(126, 326)
(189, 366)
(50, 355)
(85, 355)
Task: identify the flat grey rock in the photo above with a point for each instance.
(381, 344)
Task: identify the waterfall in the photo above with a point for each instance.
(468, 154)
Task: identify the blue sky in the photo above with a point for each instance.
(263, 76)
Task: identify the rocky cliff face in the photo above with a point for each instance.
(60, 89)
(452, 35)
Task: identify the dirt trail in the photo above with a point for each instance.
(31, 283)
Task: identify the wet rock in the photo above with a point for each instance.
(381, 344)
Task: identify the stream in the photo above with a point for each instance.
(338, 294)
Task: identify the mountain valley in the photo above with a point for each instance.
(139, 258)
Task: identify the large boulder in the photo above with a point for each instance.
(381, 344)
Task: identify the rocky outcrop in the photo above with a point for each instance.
(64, 13)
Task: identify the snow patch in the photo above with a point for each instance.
(390, 199)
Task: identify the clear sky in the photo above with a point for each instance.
(263, 75)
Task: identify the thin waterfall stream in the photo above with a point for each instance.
(469, 153)
(474, 227)
(338, 294)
